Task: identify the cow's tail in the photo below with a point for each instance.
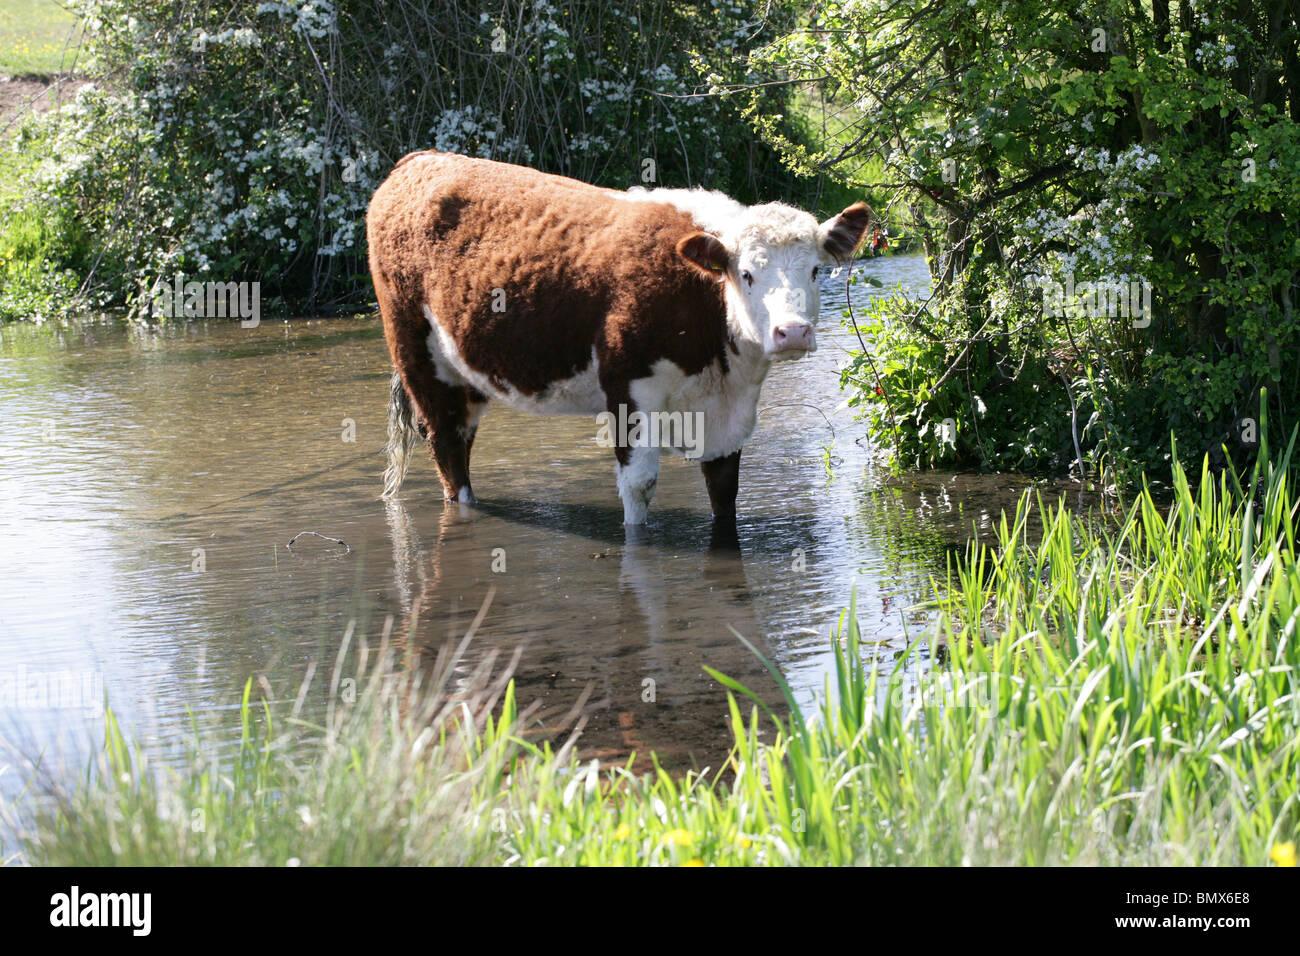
(403, 434)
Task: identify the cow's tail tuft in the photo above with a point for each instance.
(403, 433)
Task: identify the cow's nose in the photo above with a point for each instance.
(793, 336)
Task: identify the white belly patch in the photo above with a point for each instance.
(723, 406)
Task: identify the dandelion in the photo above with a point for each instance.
(1283, 854)
(679, 837)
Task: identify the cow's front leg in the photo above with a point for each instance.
(638, 474)
(722, 478)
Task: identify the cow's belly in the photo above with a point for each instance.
(724, 407)
(579, 395)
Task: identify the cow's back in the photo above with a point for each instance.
(529, 274)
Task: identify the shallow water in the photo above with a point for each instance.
(151, 477)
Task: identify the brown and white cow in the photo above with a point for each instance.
(501, 283)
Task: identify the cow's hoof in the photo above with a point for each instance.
(723, 534)
(635, 514)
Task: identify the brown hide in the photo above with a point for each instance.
(579, 268)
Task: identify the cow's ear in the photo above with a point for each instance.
(705, 252)
(841, 235)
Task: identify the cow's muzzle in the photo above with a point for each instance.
(794, 338)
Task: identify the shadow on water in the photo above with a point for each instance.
(150, 477)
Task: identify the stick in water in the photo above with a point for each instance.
(346, 549)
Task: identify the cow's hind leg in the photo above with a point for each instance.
(445, 410)
(476, 402)
(421, 404)
(448, 413)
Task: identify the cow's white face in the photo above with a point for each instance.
(774, 298)
(770, 262)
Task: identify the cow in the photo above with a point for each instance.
(499, 283)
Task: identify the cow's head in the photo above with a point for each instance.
(769, 262)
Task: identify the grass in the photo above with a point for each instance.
(1107, 698)
(36, 37)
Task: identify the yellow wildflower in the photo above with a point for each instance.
(1283, 854)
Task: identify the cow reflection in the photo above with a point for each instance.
(623, 625)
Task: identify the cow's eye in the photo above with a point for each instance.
(815, 270)
(749, 279)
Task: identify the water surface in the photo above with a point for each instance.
(151, 476)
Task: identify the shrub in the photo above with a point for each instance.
(1022, 144)
(240, 141)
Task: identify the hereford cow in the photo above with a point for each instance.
(500, 283)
